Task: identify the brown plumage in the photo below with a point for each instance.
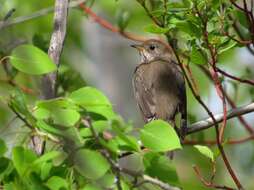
(158, 83)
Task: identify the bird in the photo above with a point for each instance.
(159, 85)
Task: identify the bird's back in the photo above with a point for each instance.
(157, 89)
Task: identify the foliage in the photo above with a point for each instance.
(85, 139)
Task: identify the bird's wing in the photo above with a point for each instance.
(182, 96)
(144, 96)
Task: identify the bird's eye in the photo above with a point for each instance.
(151, 47)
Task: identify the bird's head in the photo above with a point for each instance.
(152, 50)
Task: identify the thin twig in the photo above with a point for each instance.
(246, 81)
(231, 102)
(105, 24)
(22, 118)
(213, 142)
(114, 166)
(209, 183)
(9, 14)
(219, 90)
(207, 123)
(159, 183)
(37, 14)
(149, 179)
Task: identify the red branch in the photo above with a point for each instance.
(251, 82)
(213, 142)
(105, 24)
(209, 183)
(219, 134)
(231, 102)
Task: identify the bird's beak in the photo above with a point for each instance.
(138, 47)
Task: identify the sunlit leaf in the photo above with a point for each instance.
(197, 57)
(91, 164)
(159, 136)
(46, 157)
(57, 183)
(3, 147)
(156, 29)
(122, 18)
(205, 151)
(93, 100)
(22, 159)
(164, 170)
(61, 110)
(31, 60)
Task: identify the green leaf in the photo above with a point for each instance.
(111, 145)
(22, 159)
(3, 147)
(241, 17)
(229, 44)
(197, 57)
(90, 164)
(48, 128)
(91, 187)
(205, 151)
(122, 18)
(19, 105)
(62, 110)
(56, 183)
(106, 181)
(65, 117)
(128, 142)
(46, 157)
(31, 60)
(186, 26)
(70, 135)
(63, 103)
(164, 170)
(6, 167)
(93, 100)
(9, 186)
(45, 170)
(159, 136)
(99, 127)
(156, 29)
(42, 113)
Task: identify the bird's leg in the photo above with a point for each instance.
(151, 118)
(183, 129)
(173, 123)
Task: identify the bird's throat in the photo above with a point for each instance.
(145, 57)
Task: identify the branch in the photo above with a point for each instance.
(37, 14)
(117, 169)
(56, 46)
(213, 142)
(246, 81)
(149, 179)
(207, 123)
(105, 24)
(231, 102)
(209, 183)
(54, 52)
(159, 183)
(221, 94)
